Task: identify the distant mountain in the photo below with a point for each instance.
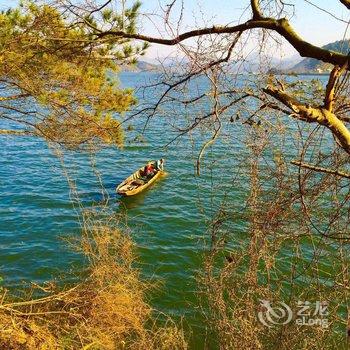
(311, 65)
(285, 63)
(142, 66)
(146, 66)
(176, 63)
(294, 64)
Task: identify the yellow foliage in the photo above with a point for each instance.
(62, 76)
(107, 310)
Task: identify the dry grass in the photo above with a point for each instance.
(107, 310)
(281, 259)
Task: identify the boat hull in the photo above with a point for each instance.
(126, 189)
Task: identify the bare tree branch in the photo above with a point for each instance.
(330, 90)
(255, 4)
(311, 114)
(346, 3)
(320, 169)
(281, 26)
(325, 11)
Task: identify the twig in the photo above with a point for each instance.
(320, 169)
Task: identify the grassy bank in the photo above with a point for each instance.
(106, 310)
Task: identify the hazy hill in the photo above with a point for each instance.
(310, 65)
(142, 66)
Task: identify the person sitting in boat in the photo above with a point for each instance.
(160, 164)
(149, 170)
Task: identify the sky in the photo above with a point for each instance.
(310, 23)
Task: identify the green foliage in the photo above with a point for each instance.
(111, 20)
(59, 78)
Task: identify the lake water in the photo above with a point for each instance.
(168, 221)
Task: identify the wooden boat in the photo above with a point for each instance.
(137, 182)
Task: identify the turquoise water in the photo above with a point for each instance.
(168, 221)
